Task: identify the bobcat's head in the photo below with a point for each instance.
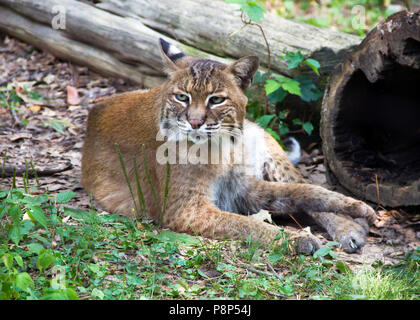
(204, 98)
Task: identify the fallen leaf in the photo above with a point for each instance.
(50, 78)
(21, 93)
(35, 108)
(262, 215)
(73, 96)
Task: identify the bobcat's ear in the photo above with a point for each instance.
(170, 54)
(244, 70)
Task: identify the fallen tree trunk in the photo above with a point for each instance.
(371, 113)
(59, 45)
(125, 33)
(209, 25)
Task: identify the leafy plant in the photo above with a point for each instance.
(59, 252)
(57, 125)
(277, 88)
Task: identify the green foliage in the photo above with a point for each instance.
(77, 254)
(344, 16)
(58, 125)
(279, 87)
(253, 8)
(9, 99)
(277, 90)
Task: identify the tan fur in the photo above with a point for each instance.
(200, 195)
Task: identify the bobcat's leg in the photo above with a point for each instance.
(201, 217)
(322, 204)
(303, 197)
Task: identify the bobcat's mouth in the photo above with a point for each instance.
(178, 130)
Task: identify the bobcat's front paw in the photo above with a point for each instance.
(350, 234)
(359, 209)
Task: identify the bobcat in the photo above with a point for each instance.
(201, 101)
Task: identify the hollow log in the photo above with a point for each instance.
(127, 32)
(370, 117)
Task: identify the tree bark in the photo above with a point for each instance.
(120, 37)
(370, 115)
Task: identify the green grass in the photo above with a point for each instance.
(378, 284)
(51, 251)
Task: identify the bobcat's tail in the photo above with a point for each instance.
(294, 151)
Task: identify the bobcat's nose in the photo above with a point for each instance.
(196, 123)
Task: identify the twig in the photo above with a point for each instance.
(379, 206)
(273, 271)
(273, 293)
(15, 117)
(291, 216)
(10, 171)
(22, 131)
(5, 81)
(253, 270)
(407, 4)
(252, 23)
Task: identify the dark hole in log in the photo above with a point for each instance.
(378, 124)
(412, 48)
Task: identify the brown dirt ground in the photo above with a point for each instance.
(23, 66)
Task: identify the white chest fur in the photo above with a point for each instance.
(256, 151)
(229, 190)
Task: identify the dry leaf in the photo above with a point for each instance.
(50, 78)
(73, 96)
(262, 215)
(35, 108)
(22, 94)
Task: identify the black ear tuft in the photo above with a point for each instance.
(171, 51)
(170, 55)
(164, 45)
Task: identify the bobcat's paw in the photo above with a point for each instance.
(306, 243)
(350, 234)
(359, 209)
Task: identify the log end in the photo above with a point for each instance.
(370, 119)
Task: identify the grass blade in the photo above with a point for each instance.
(3, 168)
(14, 178)
(149, 180)
(166, 191)
(140, 195)
(26, 177)
(126, 177)
(34, 173)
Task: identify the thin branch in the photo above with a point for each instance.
(9, 171)
(273, 271)
(252, 23)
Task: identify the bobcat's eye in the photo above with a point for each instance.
(217, 100)
(182, 97)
